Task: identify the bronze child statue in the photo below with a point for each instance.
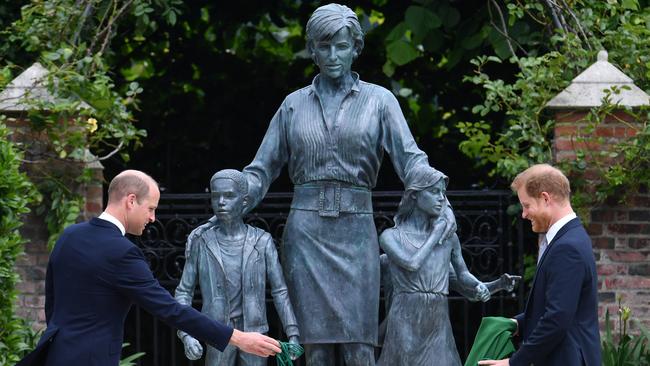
(232, 262)
(417, 274)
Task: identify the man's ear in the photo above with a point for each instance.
(130, 200)
(545, 197)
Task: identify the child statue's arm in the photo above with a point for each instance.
(279, 291)
(461, 280)
(411, 261)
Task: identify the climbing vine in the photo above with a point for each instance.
(579, 31)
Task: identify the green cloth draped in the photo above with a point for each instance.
(493, 340)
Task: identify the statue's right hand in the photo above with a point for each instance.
(193, 349)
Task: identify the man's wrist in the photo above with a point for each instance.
(235, 338)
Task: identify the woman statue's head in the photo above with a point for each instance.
(425, 191)
(330, 28)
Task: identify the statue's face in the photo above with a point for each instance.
(334, 56)
(432, 199)
(227, 202)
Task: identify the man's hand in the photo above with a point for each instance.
(255, 343)
(505, 362)
(193, 349)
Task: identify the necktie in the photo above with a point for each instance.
(542, 248)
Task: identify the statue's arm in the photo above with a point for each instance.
(184, 292)
(397, 139)
(271, 156)
(279, 290)
(505, 282)
(397, 253)
(463, 281)
(386, 281)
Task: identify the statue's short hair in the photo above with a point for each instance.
(130, 182)
(329, 19)
(543, 178)
(238, 177)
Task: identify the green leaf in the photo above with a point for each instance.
(397, 32)
(473, 41)
(421, 20)
(388, 68)
(630, 4)
(171, 17)
(449, 15)
(401, 52)
(52, 56)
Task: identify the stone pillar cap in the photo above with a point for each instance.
(28, 86)
(587, 90)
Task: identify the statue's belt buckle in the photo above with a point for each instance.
(329, 200)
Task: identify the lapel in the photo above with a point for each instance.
(211, 242)
(249, 244)
(568, 226)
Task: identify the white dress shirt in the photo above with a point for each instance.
(110, 218)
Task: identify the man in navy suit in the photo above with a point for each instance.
(559, 325)
(95, 274)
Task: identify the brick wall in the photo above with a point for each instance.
(620, 231)
(32, 266)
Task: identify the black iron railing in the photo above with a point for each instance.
(491, 242)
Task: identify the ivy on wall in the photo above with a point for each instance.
(16, 194)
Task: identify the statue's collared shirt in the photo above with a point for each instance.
(369, 121)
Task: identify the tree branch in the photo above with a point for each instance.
(578, 24)
(82, 19)
(504, 30)
(556, 20)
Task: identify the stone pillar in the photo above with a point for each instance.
(620, 231)
(32, 265)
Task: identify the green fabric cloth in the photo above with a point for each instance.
(493, 340)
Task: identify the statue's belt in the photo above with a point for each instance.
(332, 198)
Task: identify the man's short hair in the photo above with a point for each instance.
(235, 175)
(127, 182)
(543, 178)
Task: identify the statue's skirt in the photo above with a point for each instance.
(419, 332)
(331, 266)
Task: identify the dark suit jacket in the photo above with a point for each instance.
(93, 277)
(559, 326)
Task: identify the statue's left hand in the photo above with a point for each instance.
(509, 281)
(482, 292)
(294, 340)
(448, 216)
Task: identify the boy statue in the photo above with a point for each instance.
(231, 262)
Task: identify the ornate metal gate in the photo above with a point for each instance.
(492, 243)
